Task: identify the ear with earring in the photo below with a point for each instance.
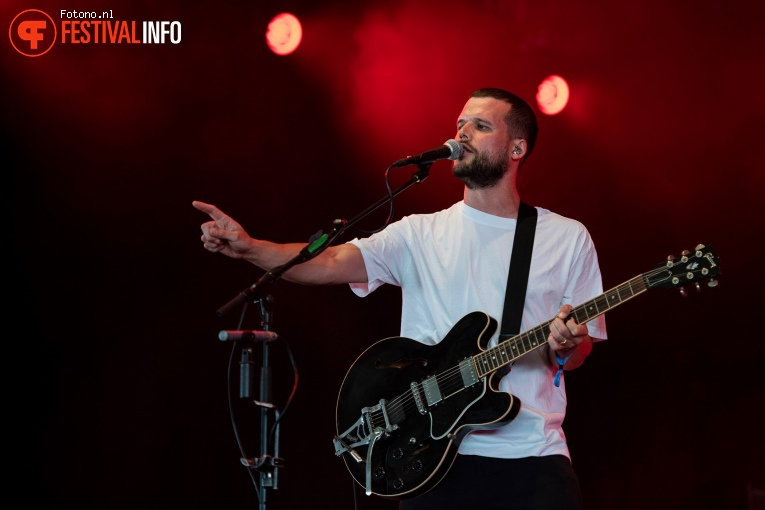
(517, 150)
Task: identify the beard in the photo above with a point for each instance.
(484, 172)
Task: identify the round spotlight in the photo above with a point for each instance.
(284, 34)
(552, 95)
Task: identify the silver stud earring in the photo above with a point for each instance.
(517, 150)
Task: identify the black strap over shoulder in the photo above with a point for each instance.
(518, 276)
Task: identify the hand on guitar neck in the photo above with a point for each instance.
(571, 341)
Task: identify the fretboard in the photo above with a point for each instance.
(513, 348)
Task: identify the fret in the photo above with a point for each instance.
(501, 354)
(530, 341)
(581, 314)
(507, 354)
(590, 309)
(490, 360)
(493, 358)
(521, 345)
(514, 346)
(536, 341)
(614, 298)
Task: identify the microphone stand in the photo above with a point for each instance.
(266, 465)
(318, 243)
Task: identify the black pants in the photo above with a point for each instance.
(484, 483)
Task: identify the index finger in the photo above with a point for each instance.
(210, 209)
(564, 311)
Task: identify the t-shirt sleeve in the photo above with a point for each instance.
(586, 284)
(385, 257)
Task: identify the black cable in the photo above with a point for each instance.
(390, 213)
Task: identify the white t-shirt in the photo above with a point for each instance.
(456, 261)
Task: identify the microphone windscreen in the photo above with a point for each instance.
(456, 148)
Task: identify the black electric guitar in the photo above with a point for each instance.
(404, 407)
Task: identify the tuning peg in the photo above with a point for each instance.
(682, 292)
(712, 282)
(699, 246)
(669, 260)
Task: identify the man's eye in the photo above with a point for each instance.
(481, 127)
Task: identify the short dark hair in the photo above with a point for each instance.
(521, 120)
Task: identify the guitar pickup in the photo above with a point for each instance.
(468, 372)
(432, 391)
(418, 398)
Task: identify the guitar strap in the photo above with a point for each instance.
(518, 276)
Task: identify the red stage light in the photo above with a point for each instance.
(552, 95)
(284, 34)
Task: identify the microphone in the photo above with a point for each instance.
(247, 336)
(451, 149)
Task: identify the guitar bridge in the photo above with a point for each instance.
(372, 419)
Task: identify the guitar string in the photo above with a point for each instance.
(448, 379)
(452, 377)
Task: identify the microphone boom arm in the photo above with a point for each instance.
(321, 243)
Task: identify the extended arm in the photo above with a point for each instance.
(336, 264)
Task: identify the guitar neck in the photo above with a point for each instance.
(513, 348)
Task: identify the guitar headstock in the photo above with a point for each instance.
(694, 266)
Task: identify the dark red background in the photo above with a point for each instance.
(115, 382)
